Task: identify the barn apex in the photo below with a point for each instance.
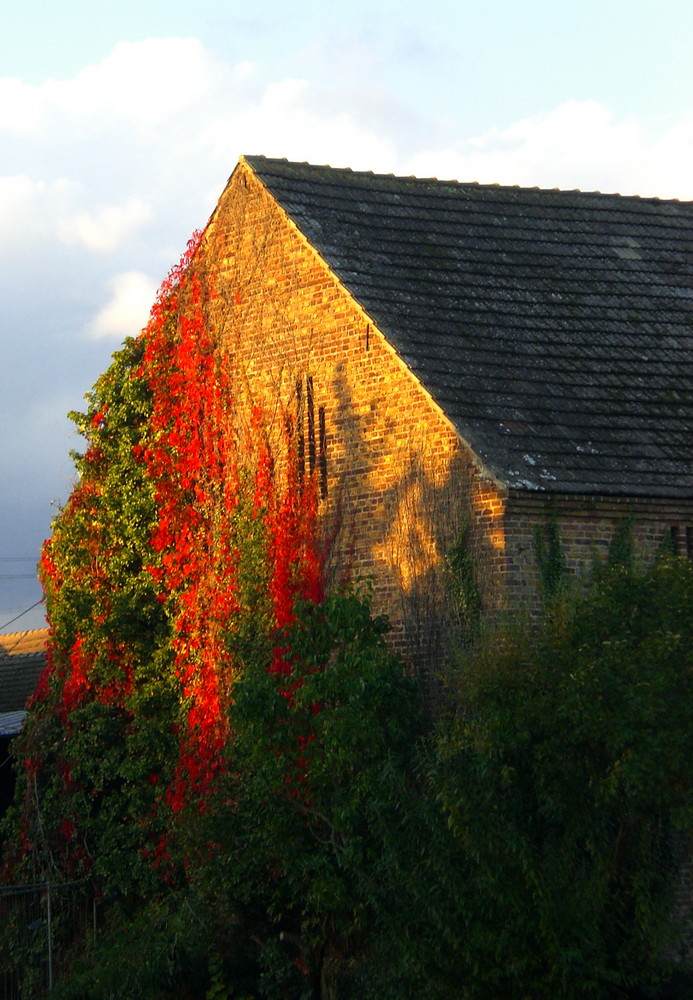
(463, 357)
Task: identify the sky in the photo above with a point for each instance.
(121, 122)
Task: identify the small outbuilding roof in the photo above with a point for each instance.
(554, 328)
(22, 660)
(11, 723)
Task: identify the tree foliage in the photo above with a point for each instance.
(565, 772)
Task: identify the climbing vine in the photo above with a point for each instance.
(551, 559)
(185, 544)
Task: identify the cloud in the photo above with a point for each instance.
(291, 118)
(145, 82)
(50, 211)
(127, 311)
(108, 227)
(20, 106)
(576, 145)
(30, 208)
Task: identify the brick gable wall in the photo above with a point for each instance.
(398, 480)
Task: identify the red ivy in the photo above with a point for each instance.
(202, 475)
(194, 460)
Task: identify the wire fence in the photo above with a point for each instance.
(38, 926)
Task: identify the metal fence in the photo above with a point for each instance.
(38, 924)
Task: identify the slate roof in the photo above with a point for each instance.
(22, 659)
(554, 328)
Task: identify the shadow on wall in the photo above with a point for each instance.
(399, 484)
(419, 530)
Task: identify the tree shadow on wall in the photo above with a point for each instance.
(403, 530)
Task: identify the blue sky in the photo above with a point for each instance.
(120, 123)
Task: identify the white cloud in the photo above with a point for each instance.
(127, 311)
(145, 82)
(31, 209)
(20, 106)
(47, 210)
(577, 145)
(289, 118)
(108, 227)
(19, 196)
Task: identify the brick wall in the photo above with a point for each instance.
(587, 527)
(398, 480)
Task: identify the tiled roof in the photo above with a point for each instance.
(554, 328)
(22, 659)
(11, 723)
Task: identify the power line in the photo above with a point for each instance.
(20, 575)
(21, 615)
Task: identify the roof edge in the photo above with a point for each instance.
(247, 160)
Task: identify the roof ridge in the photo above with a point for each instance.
(251, 159)
(37, 638)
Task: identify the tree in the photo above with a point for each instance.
(565, 771)
(319, 774)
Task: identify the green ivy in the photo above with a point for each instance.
(464, 585)
(622, 545)
(551, 560)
